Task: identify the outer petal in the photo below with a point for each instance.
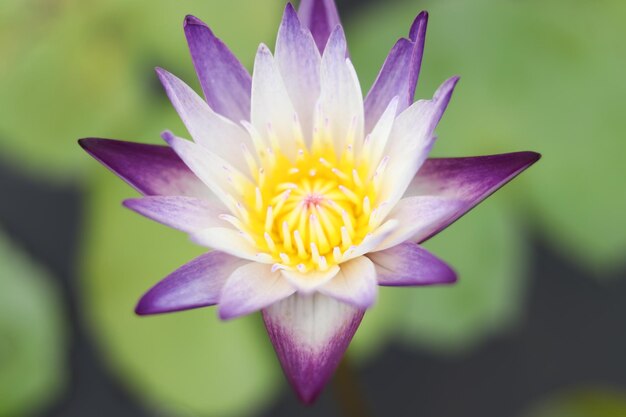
(273, 113)
(310, 334)
(207, 128)
(408, 264)
(250, 288)
(188, 214)
(340, 110)
(225, 82)
(355, 283)
(399, 74)
(299, 60)
(150, 169)
(321, 17)
(196, 284)
(469, 180)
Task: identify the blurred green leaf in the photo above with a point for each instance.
(32, 335)
(487, 249)
(73, 69)
(380, 324)
(594, 402)
(543, 76)
(183, 362)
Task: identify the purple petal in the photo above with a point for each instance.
(321, 17)
(225, 82)
(196, 284)
(409, 265)
(469, 180)
(399, 74)
(151, 169)
(250, 288)
(310, 334)
(298, 60)
(188, 214)
(207, 128)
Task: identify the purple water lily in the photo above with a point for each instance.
(308, 195)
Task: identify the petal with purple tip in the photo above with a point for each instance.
(196, 284)
(469, 180)
(150, 169)
(207, 128)
(225, 82)
(272, 110)
(310, 334)
(220, 176)
(298, 60)
(250, 288)
(355, 283)
(188, 214)
(321, 17)
(408, 264)
(399, 74)
(411, 140)
(340, 109)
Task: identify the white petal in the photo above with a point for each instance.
(340, 110)
(419, 217)
(298, 60)
(355, 284)
(372, 241)
(183, 213)
(250, 288)
(377, 140)
(207, 128)
(221, 177)
(272, 111)
(230, 241)
(411, 140)
(310, 281)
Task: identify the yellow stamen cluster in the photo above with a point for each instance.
(310, 209)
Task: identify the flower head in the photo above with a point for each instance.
(308, 195)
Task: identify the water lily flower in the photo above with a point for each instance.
(308, 195)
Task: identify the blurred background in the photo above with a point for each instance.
(534, 328)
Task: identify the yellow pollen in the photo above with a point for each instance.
(306, 211)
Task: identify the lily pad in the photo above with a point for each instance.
(32, 335)
(487, 249)
(183, 362)
(72, 69)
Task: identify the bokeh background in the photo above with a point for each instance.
(534, 328)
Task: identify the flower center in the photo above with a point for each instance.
(309, 211)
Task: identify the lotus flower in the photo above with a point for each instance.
(308, 195)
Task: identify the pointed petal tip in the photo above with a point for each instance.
(531, 156)
(290, 9)
(191, 20)
(89, 144)
(168, 137)
(310, 335)
(418, 28)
